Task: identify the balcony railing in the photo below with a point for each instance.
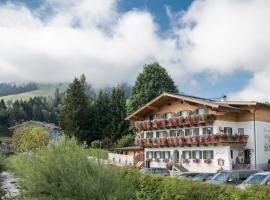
(200, 140)
(191, 120)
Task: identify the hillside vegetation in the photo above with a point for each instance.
(42, 90)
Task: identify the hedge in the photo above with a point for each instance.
(154, 187)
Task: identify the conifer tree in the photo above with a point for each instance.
(74, 115)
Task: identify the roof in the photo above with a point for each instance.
(44, 124)
(165, 97)
(131, 148)
(236, 106)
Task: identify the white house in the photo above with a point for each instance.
(203, 135)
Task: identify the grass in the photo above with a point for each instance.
(43, 91)
(99, 153)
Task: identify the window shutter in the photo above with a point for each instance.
(200, 152)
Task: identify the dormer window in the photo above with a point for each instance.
(201, 111)
(184, 113)
(153, 117)
(168, 115)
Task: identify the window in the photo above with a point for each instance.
(168, 115)
(157, 134)
(153, 117)
(187, 132)
(157, 154)
(241, 131)
(196, 131)
(186, 154)
(196, 154)
(164, 134)
(149, 135)
(167, 154)
(228, 130)
(181, 132)
(149, 154)
(208, 154)
(173, 133)
(231, 154)
(184, 113)
(201, 111)
(207, 130)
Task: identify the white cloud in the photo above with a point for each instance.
(93, 37)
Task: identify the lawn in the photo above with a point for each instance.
(99, 153)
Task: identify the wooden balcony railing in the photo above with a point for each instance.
(202, 140)
(191, 120)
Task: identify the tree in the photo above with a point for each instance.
(126, 141)
(153, 81)
(74, 115)
(119, 112)
(102, 115)
(29, 138)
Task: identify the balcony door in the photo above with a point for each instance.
(175, 157)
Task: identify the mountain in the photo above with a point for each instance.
(39, 90)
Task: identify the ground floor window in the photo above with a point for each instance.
(158, 155)
(186, 154)
(208, 154)
(187, 132)
(197, 154)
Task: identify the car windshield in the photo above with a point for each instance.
(221, 176)
(256, 178)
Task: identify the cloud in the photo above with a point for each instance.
(64, 38)
(79, 36)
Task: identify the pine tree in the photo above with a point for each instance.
(153, 81)
(118, 109)
(74, 115)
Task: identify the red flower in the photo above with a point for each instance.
(185, 161)
(208, 161)
(196, 161)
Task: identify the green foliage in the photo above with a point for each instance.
(96, 144)
(153, 187)
(74, 117)
(29, 138)
(63, 171)
(98, 153)
(126, 141)
(149, 84)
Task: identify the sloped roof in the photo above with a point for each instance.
(164, 97)
(44, 124)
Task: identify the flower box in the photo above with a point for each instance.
(196, 161)
(208, 161)
(185, 161)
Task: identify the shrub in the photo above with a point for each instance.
(62, 171)
(96, 144)
(29, 138)
(126, 141)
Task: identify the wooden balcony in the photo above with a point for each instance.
(202, 140)
(188, 121)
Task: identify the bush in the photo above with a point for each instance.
(126, 141)
(96, 144)
(62, 171)
(29, 138)
(153, 187)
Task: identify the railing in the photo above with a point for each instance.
(212, 139)
(174, 122)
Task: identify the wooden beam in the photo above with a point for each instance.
(152, 108)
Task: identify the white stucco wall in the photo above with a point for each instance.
(120, 159)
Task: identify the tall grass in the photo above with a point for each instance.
(62, 171)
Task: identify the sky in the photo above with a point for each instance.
(210, 48)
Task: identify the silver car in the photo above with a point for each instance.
(262, 178)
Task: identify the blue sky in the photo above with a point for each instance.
(213, 68)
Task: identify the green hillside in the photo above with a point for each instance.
(44, 90)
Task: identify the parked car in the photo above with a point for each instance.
(262, 178)
(156, 170)
(234, 177)
(203, 177)
(188, 175)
